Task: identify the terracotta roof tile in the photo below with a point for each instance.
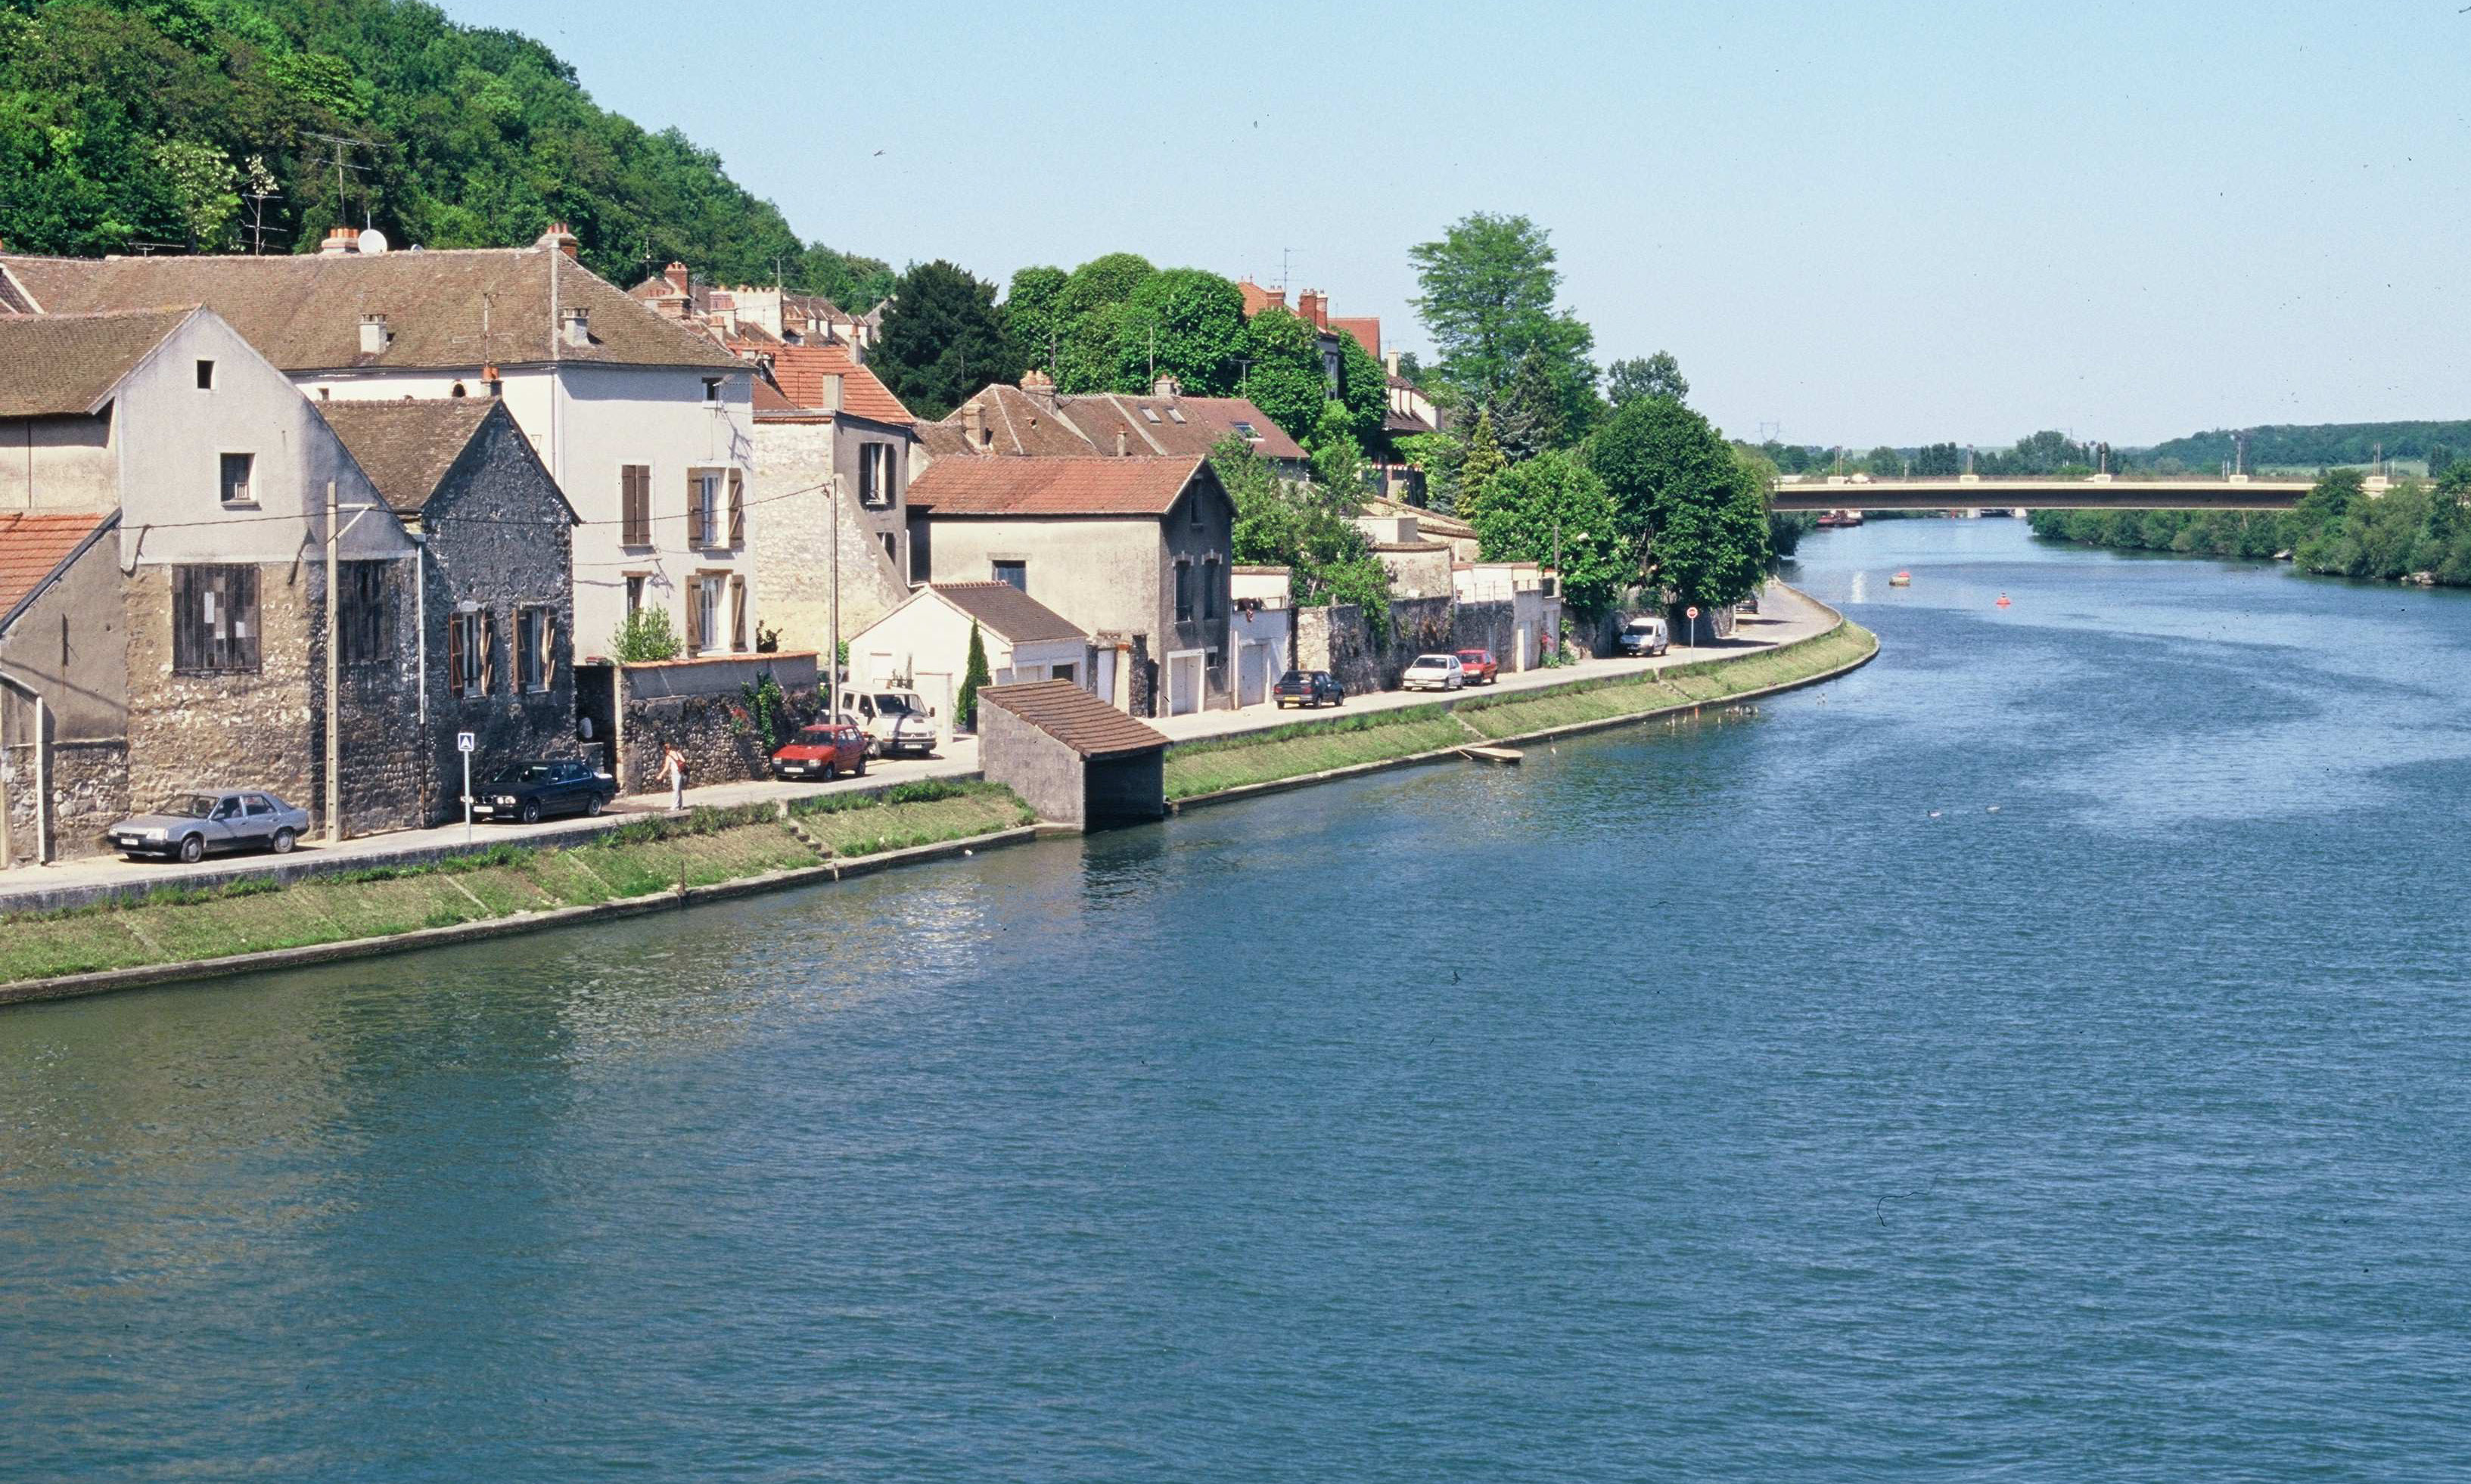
(59, 365)
(1367, 330)
(303, 312)
(1074, 717)
(1052, 486)
(802, 373)
(1002, 608)
(31, 548)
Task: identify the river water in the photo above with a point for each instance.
(1745, 1099)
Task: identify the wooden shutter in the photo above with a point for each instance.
(639, 505)
(694, 615)
(737, 614)
(488, 648)
(454, 655)
(549, 650)
(737, 507)
(695, 509)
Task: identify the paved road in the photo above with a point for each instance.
(1788, 616)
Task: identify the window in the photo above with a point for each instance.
(236, 473)
(535, 662)
(1059, 672)
(635, 500)
(703, 507)
(469, 639)
(1245, 429)
(1150, 413)
(875, 475)
(255, 806)
(1175, 413)
(712, 391)
(366, 619)
(635, 581)
(205, 376)
(1013, 574)
(703, 614)
(213, 619)
(892, 549)
(1192, 512)
(1210, 588)
(1183, 591)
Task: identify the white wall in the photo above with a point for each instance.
(57, 463)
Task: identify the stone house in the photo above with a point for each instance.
(1074, 758)
(493, 602)
(1033, 420)
(1134, 551)
(925, 643)
(195, 610)
(645, 422)
(820, 417)
(64, 695)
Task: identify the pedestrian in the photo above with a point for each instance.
(674, 764)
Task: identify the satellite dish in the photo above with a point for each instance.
(372, 243)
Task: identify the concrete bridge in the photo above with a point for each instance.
(2054, 492)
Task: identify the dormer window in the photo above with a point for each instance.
(1176, 413)
(205, 376)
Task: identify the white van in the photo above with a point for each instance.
(1645, 635)
(894, 721)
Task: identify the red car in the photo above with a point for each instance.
(1480, 667)
(827, 750)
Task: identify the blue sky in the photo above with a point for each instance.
(1860, 223)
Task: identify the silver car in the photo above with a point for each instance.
(191, 824)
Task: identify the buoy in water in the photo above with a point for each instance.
(1901, 579)
(2003, 599)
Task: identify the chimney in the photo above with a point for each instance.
(1167, 386)
(1120, 442)
(1038, 384)
(974, 423)
(1312, 306)
(339, 241)
(374, 335)
(558, 239)
(576, 323)
(1390, 362)
(677, 274)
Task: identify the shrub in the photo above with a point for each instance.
(647, 635)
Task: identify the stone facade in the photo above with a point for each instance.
(700, 708)
(89, 789)
(1335, 636)
(796, 457)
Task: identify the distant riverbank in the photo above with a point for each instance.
(2413, 533)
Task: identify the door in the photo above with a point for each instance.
(1183, 684)
(1252, 675)
(1519, 649)
(1106, 677)
(227, 827)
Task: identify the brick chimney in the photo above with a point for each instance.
(974, 424)
(677, 274)
(1167, 386)
(339, 241)
(558, 239)
(1312, 306)
(1039, 385)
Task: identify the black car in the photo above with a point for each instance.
(544, 786)
(1306, 688)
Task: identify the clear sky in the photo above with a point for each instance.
(1859, 223)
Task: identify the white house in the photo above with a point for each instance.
(925, 642)
(645, 422)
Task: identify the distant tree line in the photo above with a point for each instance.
(2416, 526)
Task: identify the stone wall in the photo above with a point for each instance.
(662, 706)
(89, 790)
(1335, 636)
(1042, 770)
(796, 457)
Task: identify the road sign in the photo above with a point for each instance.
(1692, 611)
(464, 740)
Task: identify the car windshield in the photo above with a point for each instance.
(885, 701)
(1431, 662)
(533, 772)
(1292, 677)
(819, 733)
(1642, 625)
(189, 806)
(1472, 654)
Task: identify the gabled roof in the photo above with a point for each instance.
(802, 374)
(444, 309)
(1053, 486)
(1001, 608)
(35, 544)
(1367, 330)
(1066, 427)
(407, 447)
(61, 364)
(1074, 717)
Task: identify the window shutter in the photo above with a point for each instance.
(455, 656)
(488, 649)
(695, 510)
(694, 616)
(737, 614)
(737, 507)
(549, 650)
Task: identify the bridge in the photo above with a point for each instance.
(2052, 492)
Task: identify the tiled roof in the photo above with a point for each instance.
(444, 309)
(802, 372)
(58, 364)
(1071, 427)
(1366, 329)
(1074, 717)
(1052, 486)
(406, 447)
(31, 548)
(1002, 608)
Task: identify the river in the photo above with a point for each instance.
(2039, 1054)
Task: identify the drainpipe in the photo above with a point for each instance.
(42, 769)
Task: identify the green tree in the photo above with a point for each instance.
(1550, 504)
(1654, 453)
(205, 185)
(1527, 417)
(1659, 375)
(645, 636)
(1885, 461)
(1487, 295)
(1033, 318)
(1305, 529)
(1711, 546)
(1285, 378)
(1339, 465)
(1482, 465)
(1363, 390)
(942, 339)
(974, 679)
(1186, 323)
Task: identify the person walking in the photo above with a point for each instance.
(674, 764)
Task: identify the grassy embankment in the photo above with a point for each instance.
(709, 847)
(1213, 766)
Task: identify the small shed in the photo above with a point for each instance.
(1072, 757)
(925, 642)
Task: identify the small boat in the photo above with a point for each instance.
(1508, 757)
(1901, 579)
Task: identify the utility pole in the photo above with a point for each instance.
(832, 660)
(334, 676)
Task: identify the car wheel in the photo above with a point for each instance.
(532, 812)
(284, 840)
(874, 749)
(192, 849)
(859, 771)
(592, 804)
(831, 771)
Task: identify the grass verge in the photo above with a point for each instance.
(1214, 765)
(706, 848)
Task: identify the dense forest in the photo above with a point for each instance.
(129, 125)
(2416, 530)
(2317, 446)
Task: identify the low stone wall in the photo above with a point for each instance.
(1336, 638)
(703, 712)
(89, 791)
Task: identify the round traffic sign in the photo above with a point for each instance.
(1692, 611)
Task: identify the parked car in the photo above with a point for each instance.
(1480, 667)
(543, 786)
(1434, 672)
(1750, 604)
(1308, 688)
(1645, 635)
(189, 825)
(825, 750)
(895, 721)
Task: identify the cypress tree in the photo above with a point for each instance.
(972, 680)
